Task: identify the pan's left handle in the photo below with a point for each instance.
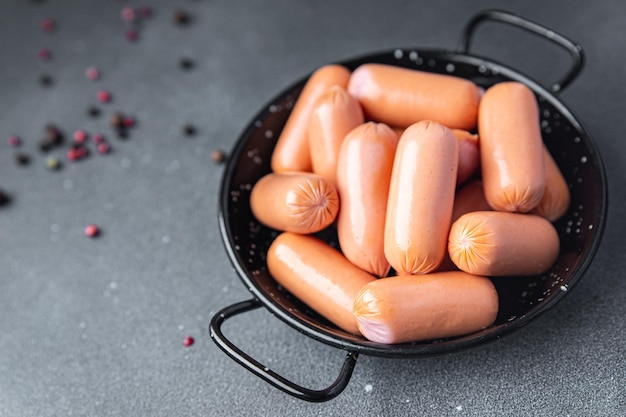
(278, 381)
(575, 50)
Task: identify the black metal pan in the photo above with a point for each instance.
(522, 299)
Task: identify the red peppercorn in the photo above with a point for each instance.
(128, 14)
(98, 138)
(92, 73)
(103, 148)
(188, 341)
(48, 24)
(91, 230)
(80, 136)
(44, 55)
(14, 141)
(128, 121)
(131, 35)
(103, 96)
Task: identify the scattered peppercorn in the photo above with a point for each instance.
(91, 230)
(46, 80)
(44, 55)
(218, 156)
(181, 17)
(188, 341)
(92, 73)
(14, 141)
(22, 159)
(189, 130)
(4, 198)
(98, 138)
(131, 35)
(103, 96)
(186, 63)
(128, 14)
(93, 111)
(48, 24)
(80, 136)
(103, 148)
(128, 121)
(117, 120)
(53, 164)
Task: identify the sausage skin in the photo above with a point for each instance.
(299, 202)
(556, 196)
(511, 147)
(291, 152)
(401, 96)
(334, 115)
(421, 307)
(363, 174)
(498, 243)
(318, 275)
(421, 196)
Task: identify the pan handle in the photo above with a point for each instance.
(574, 49)
(280, 382)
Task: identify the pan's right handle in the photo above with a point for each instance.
(267, 374)
(575, 50)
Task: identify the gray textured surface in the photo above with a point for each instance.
(95, 327)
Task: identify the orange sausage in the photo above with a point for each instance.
(292, 149)
(318, 275)
(401, 96)
(470, 197)
(334, 115)
(556, 195)
(469, 155)
(363, 175)
(498, 243)
(421, 307)
(421, 196)
(299, 202)
(511, 147)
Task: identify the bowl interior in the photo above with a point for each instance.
(521, 298)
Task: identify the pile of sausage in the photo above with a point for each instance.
(425, 176)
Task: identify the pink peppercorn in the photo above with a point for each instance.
(14, 141)
(92, 73)
(103, 96)
(91, 230)
(145, 11)
(98, 138)
(128, 14)
(48, 24)
(103, 148)
(128, 121)
(44, 55)
(131, 35)
(188, 341)
(80, 136)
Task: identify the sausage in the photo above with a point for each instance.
(363, 174)
(421, 196)
(556, 195)
(470, 197)
(299, 202)
(469, 155)
(318, 275)
(291, 152)
(511, 147)
(334, 115)
(498, 243)
(401, 96)
(422, 307)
